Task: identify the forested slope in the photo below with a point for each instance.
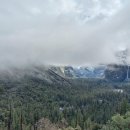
(74, 102)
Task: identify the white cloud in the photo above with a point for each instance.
(35, 11)
(63, 31)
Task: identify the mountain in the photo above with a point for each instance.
(45, 98)
(80, 72)
(110, 72)
(117, 73)
(120, 71)
(42, 74)
(62, 74)
(36, 96)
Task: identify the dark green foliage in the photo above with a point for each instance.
(118, 122)
(85, 103)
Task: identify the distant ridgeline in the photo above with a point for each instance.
(117, 73)
(111, 72)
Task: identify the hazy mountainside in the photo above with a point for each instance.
(51, 97)
(38, 93)
(40, 73)
(81, 72)
(117, 73)
(61, 75)
(35, 93)
(111, 72)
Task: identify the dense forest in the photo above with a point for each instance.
(82, 104)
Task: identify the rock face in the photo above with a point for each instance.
(38, 73)
(117, 73)
(61, 75)
(111, 72)
(80, 72)
(129, 74)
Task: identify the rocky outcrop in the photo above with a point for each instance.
(117, 73)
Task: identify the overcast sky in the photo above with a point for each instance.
(76, 32)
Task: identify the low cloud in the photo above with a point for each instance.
(63, 31)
